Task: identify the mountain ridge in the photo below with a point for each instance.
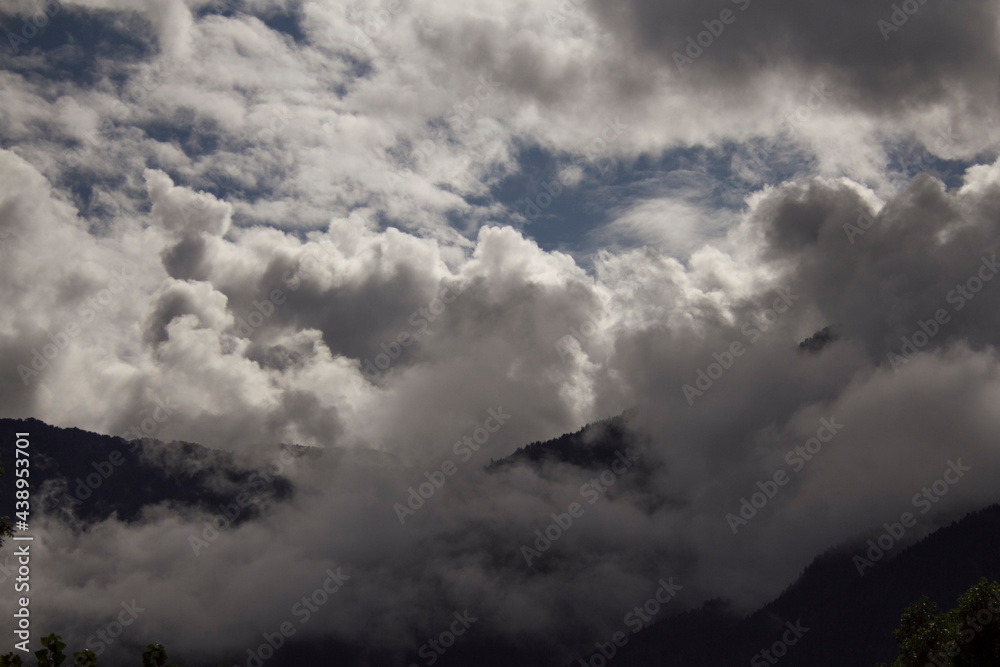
(825, 597)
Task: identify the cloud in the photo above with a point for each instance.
(936, 52)
(298, 236)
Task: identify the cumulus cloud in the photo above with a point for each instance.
(290, 221)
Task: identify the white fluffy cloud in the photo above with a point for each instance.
(303, 237)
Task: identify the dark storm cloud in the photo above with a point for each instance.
(185, 261)
(355, 318)
(879, 275)
(14, 392)
(943, 48)
(169, 305)
(316, 421)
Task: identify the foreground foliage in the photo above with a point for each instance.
(966, 636)
(51, 655)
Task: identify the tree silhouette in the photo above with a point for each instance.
(966, 636)
(51, 655)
